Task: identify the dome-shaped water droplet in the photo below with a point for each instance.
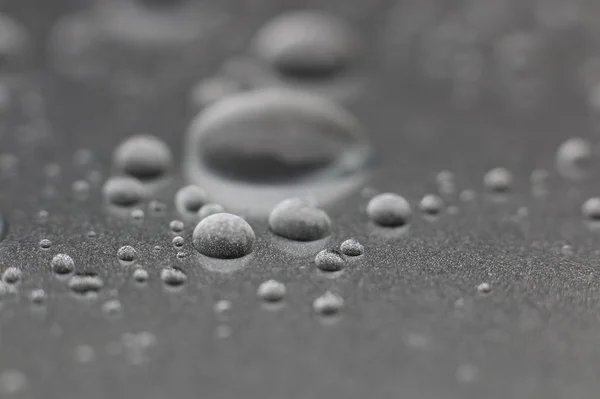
(173, 276)
(123, 191)
(224, 236)
(62, 264)
(271, 291)
(574, 158)
(255, 149)
(190, 199)
(210, 209)
(330, 260)
(141, 275)
(431, 204)
(176, 226)
(498, 180)
(299, 219)
(12, 276)
(127, 254)
(352, 247)
(14, 41)
(328, 304)
(143, 157)
(591, 208)
(86, 284)
(389, 210)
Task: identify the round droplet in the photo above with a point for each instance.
(307, 45)
(62, 264)
(431, 204)
(123, 191)
(12, 276)
(591, 208)
(112, 307)
(173, 277)
(389, 210)
(498, 180)
(484, 288)
(210, 209)
(140, 275)
(271, 291)
(137, 214)
(81, 189)
(14, 41)
(328, 304)
(299, 219)
(574, 158)
(127, 253)
(255, 149)
(86, 284)
(190, 199)
(38, 296)
(45, 243)
(178, 241)
(143, 157)
(224, 236)
(330, 260)
(176, 226)
(352, 247)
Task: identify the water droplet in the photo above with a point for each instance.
(352, 247)
(143, 157)
(224, 236)
(157, 206)
(330, 260)
(12, 276)
(14, 41)
(173, 276)
(112, 308)
(178, 241)
(127, 254)
(498, 180)
(137, 214)
(271, 291)
(484, 288)
(38, 296)
(467, 195)
(222, 306)
(181, 255)
(431, 204)
(91, 234)
(255, 149)
(446, 183)
(12, 381)
(210, 209)
(190, 199)
(328, 304)
(307, 45)
(389, 210)
(45, 243)
(591, 208)
(176, 226)
(123, 191)
(299, 219)
(567, 250)
(574, 158)
(81, 189)
(140, 275)
(86, 284)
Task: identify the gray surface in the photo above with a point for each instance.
(402, 332)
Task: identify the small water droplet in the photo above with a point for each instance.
(181, 255)
(210, 209)
(330, 260)
(352, 247)
(431, 204)
(127, 254)
(591, 208)
(112, 308)
(141, 275)
(190, 199)
(81, 189)
(123, 191)
(574, 158)
(143, 157)
(12, 276)
(467, 195)
(14, 42)
(299, 219)
(222, 306)
(567, 250)
(137, 214)
(157, 206)
(271, 291)
(84, 353)
(176, 226)
(389, 210)
(178, 241)
(42, 216)
(484, 288)
(38, 296)
(173, 276)
(498, 180)
(224, 236)
(328, 304)
(45, 243)
(86, 284)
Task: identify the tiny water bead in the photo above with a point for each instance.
(137, 214)
(431, 204)
(14, 41)
(352, 247)
(38, 296)
(591, 208)
(299, 219)
(498, 180)
(141, 275)
(330, 260)
(484, 288)
(224, 236)
(127, 253)
(86, 284)
(307, 45)
(45, 243)
(178, 241)
(112, 307)
(173, 276)
(190, 199)
(210, 209)
(252, 150)
(328, 304)
(271, 291)
(176, 226)
(143, 157)
(12, 276)
(123, 191)
(574, 158)
(389, 210)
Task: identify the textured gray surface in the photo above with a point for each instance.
(414, 324)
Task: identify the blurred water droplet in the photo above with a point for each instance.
(173, 276)
(141, 275)
(567, 250)
(14, 42)
(328, 304)
(271, 291)
(431, 204)
(466, 373)
(210, 209)
(389, 210)
(330, 260)
(12, 382)
(224, 236)
(112, 308)
(84, 353)
(86, 284)
(81, 189)
(12, 276)
(190, 199)
(255, 149)
(498, 180)
(45, 243)
(299, 219)
(143, 157)
(62, 264)
(123, 191)
(574, 158)
(176, 226)
(352, 247)
(127, 254)
(212, 90)
(591, 208)
(484, 288)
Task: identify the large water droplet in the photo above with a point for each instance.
(210, 209)
(223, 236)
(62, 264)
(143, 157)
(12, 276)
(389, 210)
(498, 180)
(123, 191)
(141, 275)
(173, 276)
(431, 204)
(255, 149)
(299, 219)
